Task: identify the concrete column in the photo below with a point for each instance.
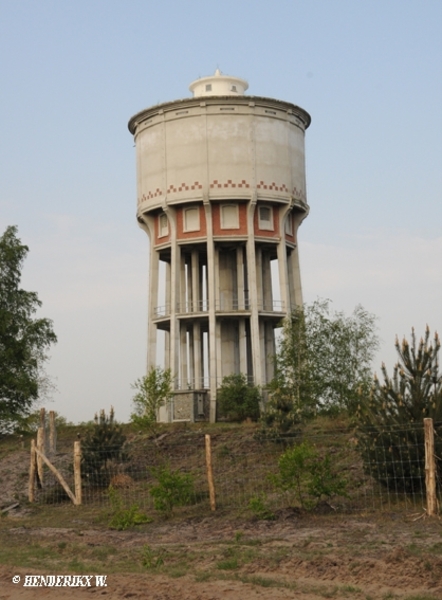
(242, 346)
(267, 296)
(174, 296)
(259, 287)
(283, 275)
(148, 225)
(270, 351)
(253, 288)
(295, 276)
(152, 332)
(196, 296)
(212, 295)
(182, 296)
(167, 295)
(240, 276)
(197, 356)
(262, 347)
(183, 356)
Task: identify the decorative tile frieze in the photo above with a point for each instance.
(150, 195)
(184, 187)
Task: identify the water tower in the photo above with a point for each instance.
(221, 194)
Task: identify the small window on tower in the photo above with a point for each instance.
(265, 218)
(208, 87)
(191, 219)
(229, 216)
(164, 226)
(233, 88)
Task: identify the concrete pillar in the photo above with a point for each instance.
(196, 303)
(267, 295)
(212, 298)
(283, 275)
(182, 308)
(183, 356)
(242, 346)
(295, 274)
(197, 355)
(253, 289)
(153, 300)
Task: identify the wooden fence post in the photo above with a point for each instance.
(32, 467)
(430, 468)
(77, 472)
(210, 473)
(52, 433)
(41, 448)
(43, 426)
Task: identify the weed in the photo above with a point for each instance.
(228, 564)
(257, 504)
(238, 536)
(152, 559)
(202, 576)
(436, 548)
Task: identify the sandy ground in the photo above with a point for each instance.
(336, 558)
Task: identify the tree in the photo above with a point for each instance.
(237, 400)
(102, 449)
(390, 432)
(24, 339)
(154, 390)
(323, 363)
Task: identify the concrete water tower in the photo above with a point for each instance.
(221, 194)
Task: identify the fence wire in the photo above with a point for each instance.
(384, 472)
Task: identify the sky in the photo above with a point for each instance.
(72, 73)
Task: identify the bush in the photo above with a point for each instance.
(102, 448)
(258, 506)
(173, 489)
(237, 400)
(311, 477)
(123, 517)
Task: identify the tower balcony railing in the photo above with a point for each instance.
(161, 311)
(223, 304)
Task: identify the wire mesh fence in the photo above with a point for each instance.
(381, 471)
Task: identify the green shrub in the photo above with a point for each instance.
(311, 477)
(121, 517)
(173, 489)
(237, 400)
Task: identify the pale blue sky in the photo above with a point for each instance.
(72, 73)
